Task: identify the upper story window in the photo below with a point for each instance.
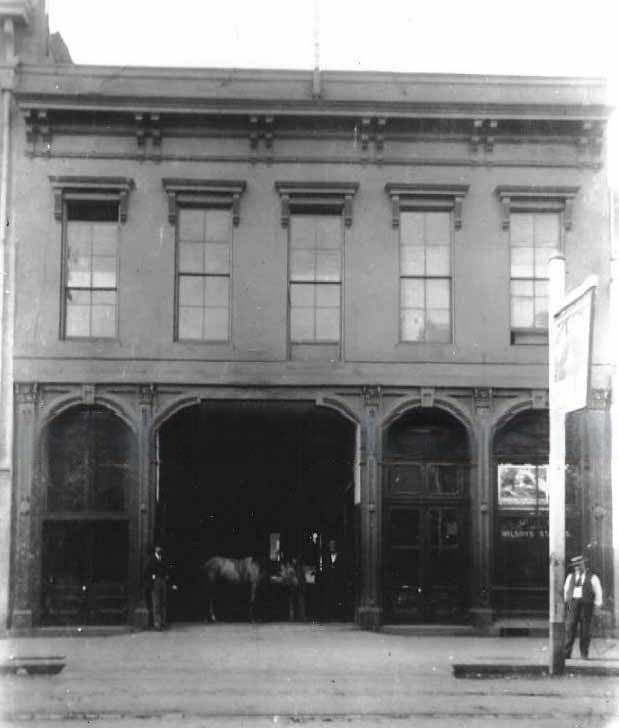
(535, 218)
(204, 213)
(426, 216)
(315, 277)
(91, 210)
(317, 216)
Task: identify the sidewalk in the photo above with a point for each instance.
(297, 670)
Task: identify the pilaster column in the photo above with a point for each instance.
(481, 511)
(145, 515)
(26, 397)
(369, 611)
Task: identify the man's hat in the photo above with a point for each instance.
(578, 561)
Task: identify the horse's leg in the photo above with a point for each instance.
(252, 601)
(211, 610)
(291, 596)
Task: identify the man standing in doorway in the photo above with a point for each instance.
(334, 583)
(156, 577)
(582, 593)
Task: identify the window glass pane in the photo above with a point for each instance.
(412, 228)
(217, 258)
(328, 266)
(541, 289)
(412, 293)
(521, 228)
(302, 324)
(302, 265)
(412, 260)
(190, 322)
(541, 313)
(191, 258)
(218, 225)
(328, 324)
(191, 224)
(437, 260)
(438, 325)
(104, 238)
(103, 272)
(328, 231)
(301, 295)
(79, 238)
(77, 320)
(412, 321)
(437, 228)
(103, 320)
(522, 262)
(522, 288)
(216, 324)
(191, 291)
(522, 312)
(542, 256)
(78, 272)
(547, 230)
(302, 232)
(437, 294)
(217, 291)
(328, 296)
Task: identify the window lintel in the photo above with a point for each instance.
(208, 192)
(80, 187)
(537, 197)
(417, 196)
(316, 195)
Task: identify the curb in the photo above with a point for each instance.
(493, 671)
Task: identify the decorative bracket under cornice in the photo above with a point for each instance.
(207, 192)
(537, 197)
(37, 127)
(483, 133)
(261, 127)
(592, 136)
(148, 126)
(69, 186)
(413, 196)
(317, 197)
(373, 129)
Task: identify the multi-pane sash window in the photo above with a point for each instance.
(91, 268)
(315, 277)
(533, 238)
(204, 242)
(425, 276)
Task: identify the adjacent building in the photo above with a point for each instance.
(246, 312)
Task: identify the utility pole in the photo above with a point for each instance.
(556, 476)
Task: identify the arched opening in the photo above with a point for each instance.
(254, 478)
(89, 477)
(426, 517)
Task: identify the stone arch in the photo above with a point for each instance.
(442, 403)
(64, 404)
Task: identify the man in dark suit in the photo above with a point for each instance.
(334, 578)
(156, 577)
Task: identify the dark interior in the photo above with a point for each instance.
(233, 476)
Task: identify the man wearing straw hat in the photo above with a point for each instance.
(582, 593)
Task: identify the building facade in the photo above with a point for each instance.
(247, 308)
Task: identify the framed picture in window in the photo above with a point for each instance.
(523, 486)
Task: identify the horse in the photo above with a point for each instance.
(247, 573)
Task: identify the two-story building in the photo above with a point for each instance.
(248, 311)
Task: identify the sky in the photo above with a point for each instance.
(517, 37)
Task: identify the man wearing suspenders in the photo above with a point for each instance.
(582, 593)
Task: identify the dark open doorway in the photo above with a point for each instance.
(244, 478)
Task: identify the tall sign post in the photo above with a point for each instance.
(569, 367)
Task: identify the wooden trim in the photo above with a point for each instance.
(115, 188)
(336, 195)
(537, 197)
(416, 196)
(208, 192)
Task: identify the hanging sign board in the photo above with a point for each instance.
(570, 347)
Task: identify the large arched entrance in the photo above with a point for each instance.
(89, 477)
(426, 517)
(254, 478)
(520, 477)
